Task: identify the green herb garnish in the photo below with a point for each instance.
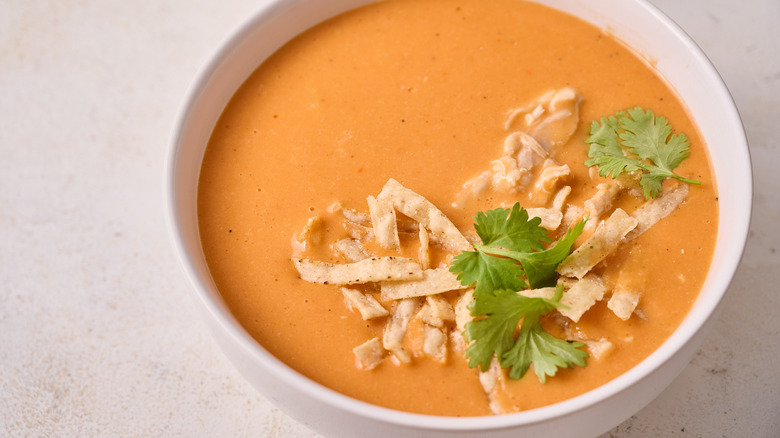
(637, 140)
(512, 257)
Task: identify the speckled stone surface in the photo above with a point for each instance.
(99, 334)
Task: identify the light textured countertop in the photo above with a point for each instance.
(100, 336)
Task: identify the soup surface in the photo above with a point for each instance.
(422, 91)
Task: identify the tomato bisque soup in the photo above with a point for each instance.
(341, 186)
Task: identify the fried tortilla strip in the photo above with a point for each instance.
(369, 354)
(368, 307)
(311, 234)
(652, 211)
(434, 281)
(363, 271)
(492, 383)
(462, 317)
(542, 292)
(551, 219)
(436, 310)
(600, 348)
(356, 218)
(351, 249)
(395, 330)
(573, 214)
(623, 303)
(582, 296)
(424, 253)
(442, 230)
(598, 246)
(440, 307)
(384, 222)
(435, 343)
(358, 232)
(600, 203)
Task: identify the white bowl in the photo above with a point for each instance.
(635, 22)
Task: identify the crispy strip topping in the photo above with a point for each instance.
(582, 296)
(598, 246)
(600, 348)
(368, 307)
(424, 254)
(384, 223)
(351, 249)
(623, 303)
(434, 281)
(435, 344)
(442, 230)
(551, 219)
(652, 211)
(395, 330)
(363, 271)
(369, 354)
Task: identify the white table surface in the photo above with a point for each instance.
(98, 333)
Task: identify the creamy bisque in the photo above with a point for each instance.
(419, 91)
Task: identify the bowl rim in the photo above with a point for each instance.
(217, 311)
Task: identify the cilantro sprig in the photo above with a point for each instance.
(513, 257)
(636, 140)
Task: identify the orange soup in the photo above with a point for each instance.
(472, 106)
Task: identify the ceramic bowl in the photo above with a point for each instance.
(639, 25)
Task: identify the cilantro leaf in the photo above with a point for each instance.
(546, 352)
(503, 229)
(637, 140)
(539, 267)
(512, 257)
(515, 231)
(494, 335)
(488, 272)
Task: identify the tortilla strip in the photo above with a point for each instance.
(351, 249)
(435, 344)
(434, 281)
(366, 304)
(358, 218)
(542, 292)
(491, 381)
(600, 348)
(384, 223)
(623, 303)
(440, 307)
(354, 216)
(411, 204)
(357, 231)
(652, 211)
(462, 317)
(603, 200)
(551, 219)
(573, 214)
(598, 246)
(363, 271)
(369, 354)
(424, 254)
(311, 234)
(582, 296)
(395, 330)
(436, 310)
